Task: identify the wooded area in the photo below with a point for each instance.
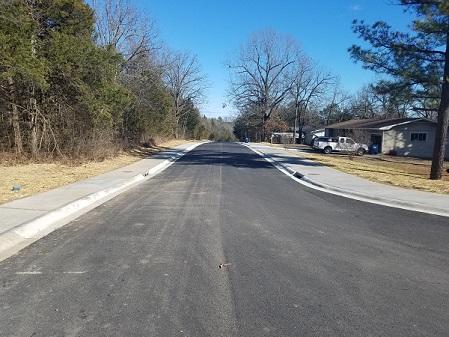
(82, 81)
(277, 87)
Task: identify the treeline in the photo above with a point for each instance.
(331, 104)
(216, 129)
(276, 87)
(82, 81)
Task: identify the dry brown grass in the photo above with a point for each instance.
(43, 176)
(398, 171)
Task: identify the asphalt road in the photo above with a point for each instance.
(297, 262)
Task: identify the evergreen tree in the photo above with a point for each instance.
(63, 92)
(418, 61)
(19, 63)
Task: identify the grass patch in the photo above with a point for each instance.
(398, 171)
(46, 175)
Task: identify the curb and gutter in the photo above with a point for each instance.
(16, 238)
(311, 183)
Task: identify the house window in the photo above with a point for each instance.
(418, 137)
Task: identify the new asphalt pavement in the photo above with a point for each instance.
(223, 244)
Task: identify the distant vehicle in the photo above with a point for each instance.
(339, 144)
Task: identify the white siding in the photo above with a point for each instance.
(389, 141)
(399, 140)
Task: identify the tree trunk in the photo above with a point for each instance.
(33, 125)
(295, 126)
(301, 127)
(15, 121)
(439, 149)
(177, 128)
(33, 101)
(265, 118)
(33, 135)
(177, 114)
(184, 127)
(264, 131)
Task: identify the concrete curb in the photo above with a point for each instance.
(306, 181)
(24, 234)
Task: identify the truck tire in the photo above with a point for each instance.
(327, 150)
(360, 151)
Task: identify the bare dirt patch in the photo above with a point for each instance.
(29, 178)
(398, 171)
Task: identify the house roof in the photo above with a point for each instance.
(284, 133)
(311, 129)
(379, 124)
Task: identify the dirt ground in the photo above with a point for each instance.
(32, 178)
(398, 171)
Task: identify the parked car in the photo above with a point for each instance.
(339, 144)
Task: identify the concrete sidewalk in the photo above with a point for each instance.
(329, 180)
(25, 220)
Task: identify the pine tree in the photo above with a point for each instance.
(418, 61)
(20, 66)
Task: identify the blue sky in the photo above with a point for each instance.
(214, 29)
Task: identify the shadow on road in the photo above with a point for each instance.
(237, 156)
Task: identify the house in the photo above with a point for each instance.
(400, 136)
(310, 135)
(282, 137)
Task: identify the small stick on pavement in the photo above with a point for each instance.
(222, 265)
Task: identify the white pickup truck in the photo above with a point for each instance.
(339, 144)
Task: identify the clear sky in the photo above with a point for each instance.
(214, 29)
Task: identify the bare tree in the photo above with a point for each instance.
(260, 74)
(308, 84)
(120, 26)
(335, 110)
(185, 82)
